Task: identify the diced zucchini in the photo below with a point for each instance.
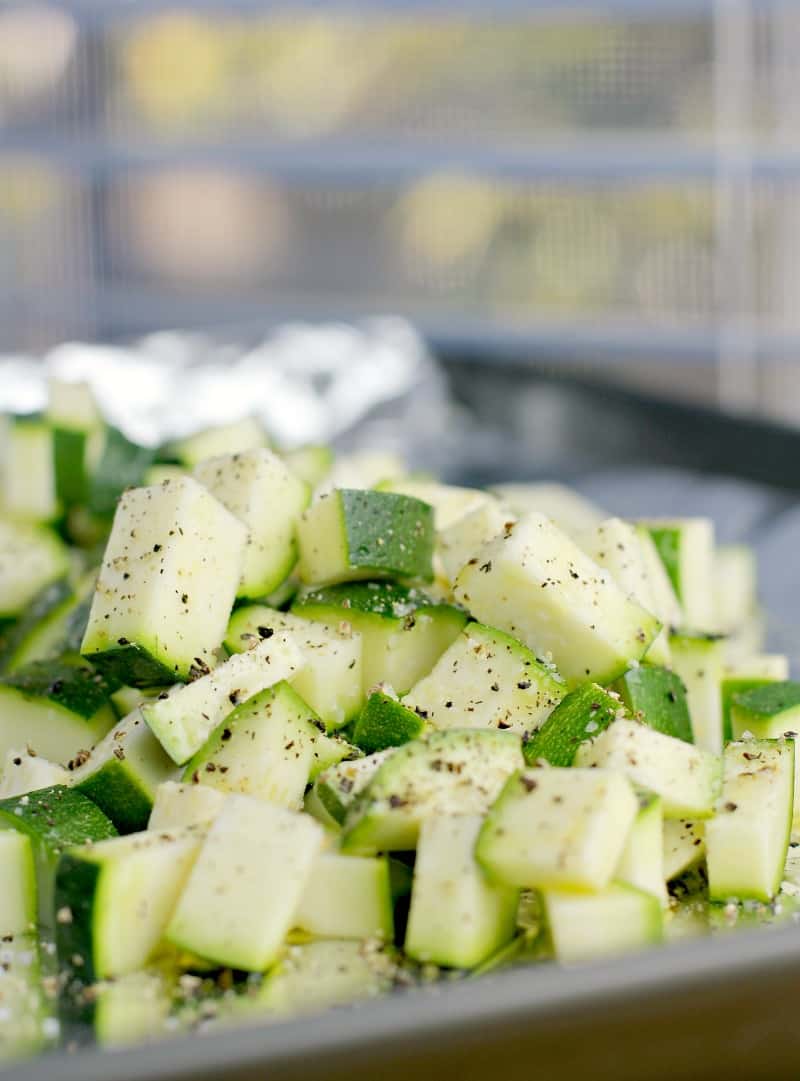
(331, 680)
(268, 498)
(581, 715)
(167, 585)
(698, 660)
(666, 606)
(76, 421)
(487, 679)
(459, 542)
(29, 484)
(590, 925)
(686, 548)
(642, 861)
(25, 771)
(31, 558)
(684, 846)
(403, 631)
(339, 786)
(657, 697)
(18, 895)
(264, 748)
(687, 778)
(119, 894)
(55, 708)
(122, 773)
(182, 722)
(535, 583)
(121, 464)
(771, 711)
(354, 534)
(571, 512)
(177, 806)
(311, 463)
(616, 545)
(318, 975)
(558, 828)
(748, 840)
(347, 897)
(458, 916)
(244, 889)
(234, 438)
(385, 722)
(747, 674)
(54, 819)
(767, 712)
(460, 771)
(734, 586)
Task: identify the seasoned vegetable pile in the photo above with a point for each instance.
(281, 731)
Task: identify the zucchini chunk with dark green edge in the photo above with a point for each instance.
(558, 829)
(459, 916)
(331, 680)
(698, 660)
(114, 898)
(268, 498)
(657, 697)
(460, 771)
(167, 584)
(487, 679)
(747, 675)
(77, 428)
(337, 788)
(347, 897)
(184, 719)
(385, 722)
(56, 708)
(265, 747)
(686, 548)
(403, 630)
(121, 774)
(536, 584)
(54, 819)
(583, 714)
(767, 712)
(354, 533)
(687, 778)
(239, 903)
(618, 919)
(747, 840)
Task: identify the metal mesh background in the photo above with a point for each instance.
(610, 180)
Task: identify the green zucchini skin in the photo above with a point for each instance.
(132, 664)
(657, 697)
(44, 604)
(582, 715)
(76, 688)
(116, 792)
(385, 722)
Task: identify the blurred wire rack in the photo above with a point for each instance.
(604, 183)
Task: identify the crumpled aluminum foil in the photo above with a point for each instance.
(366, 385)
